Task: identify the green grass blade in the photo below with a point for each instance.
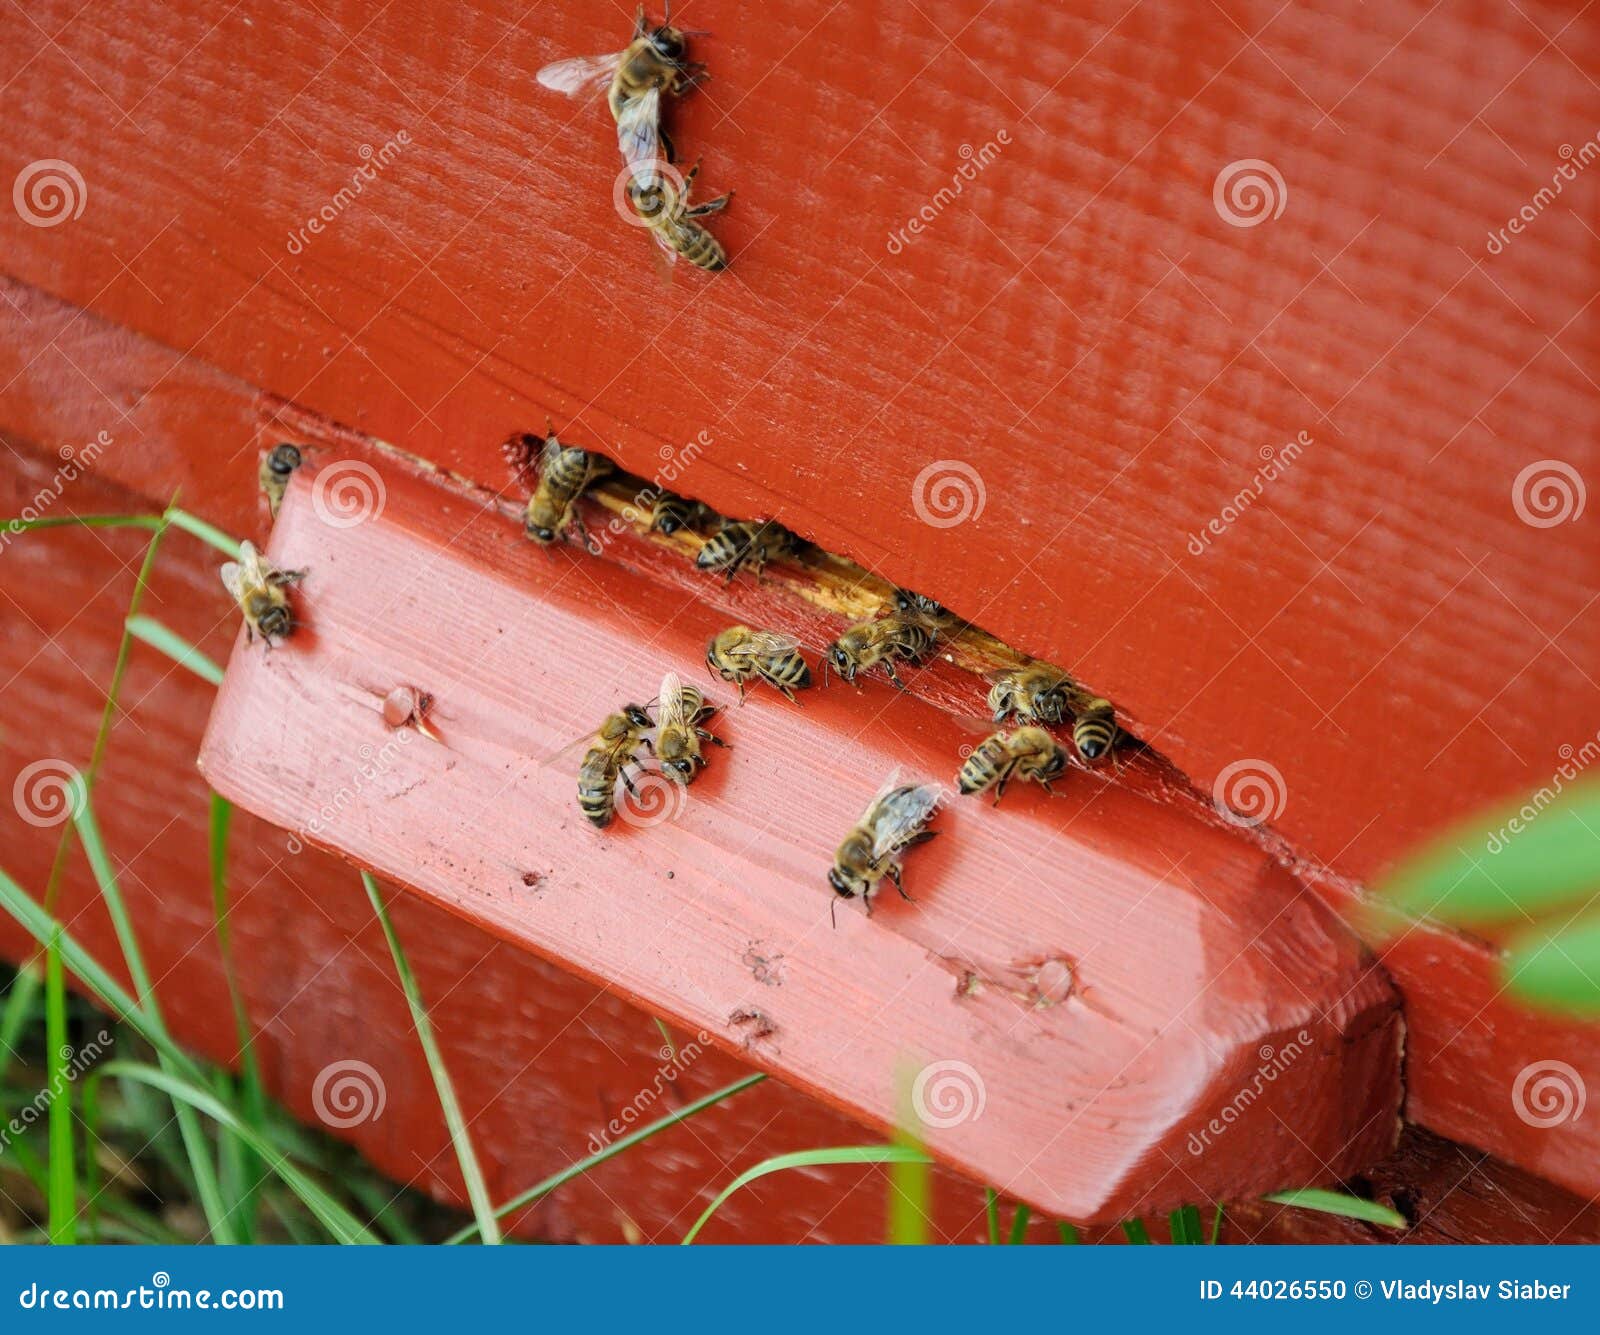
(1557, 967)
(153, 522)
(666, 1038)
(1136, 1232)
(991, 1215)
(1183, 1226)
(175, 647)
(1019, 1226)
(63, 1195)
(844, 1154)
(1480, 871)
(618, 1146)
(25, 988)
(1216, 1225)
(471, 1173)
(344, 1226)
(1069, 1234)
(1335, 1202)
(910, 1197)
(189, 523)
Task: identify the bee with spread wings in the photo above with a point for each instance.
(636, 78)
(894, 821)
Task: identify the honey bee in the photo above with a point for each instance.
(615, 747)
(674, 224)
(259, 589)
(565, 473)
(1027, 753)
(878, 643)
(1037, 693)
(893, 822)
(652, 64)
(680, 710)
(739, 653)
(671, 513)
(741, 542)
(276, 465)
(1094, 729)
(918, 607)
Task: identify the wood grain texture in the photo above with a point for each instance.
(1182, 976)
(1079, 324)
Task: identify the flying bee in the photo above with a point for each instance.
(1027, 753)
(919, 607)
(739, 653)
(1037, 693)
(565, 473)
(653, 64)
(671, 513)
(259, 589)
(741, 542)
(893, 822)
(1094, 729)
(680, 710)
(674, 224)
(276, 466)
(615, 747)
(878, 643)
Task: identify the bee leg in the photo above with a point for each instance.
(640, 27)
(710, 206)
(589, 545)
(705, 736)
(894, 875)
(833, 912)
(648, 746)
(921, 837)
(667, 148)
(627, 782)
(894, 676)
(787, 693)
(1005, 778)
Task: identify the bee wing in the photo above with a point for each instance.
(579, 74)
(899, 815)
(233, 578)
(769, 643)
(670, 713)
(639, 134)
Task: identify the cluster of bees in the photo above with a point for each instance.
(672, 729)
(638, 79)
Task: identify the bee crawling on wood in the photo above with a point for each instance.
(675, 224)
(919, 607)
(652, 65)
(616, 746)
(894, 821)
(276, 466)
(1036, 693)
(741, 542)
(565, 473)
(877, 644)
(1094, 729)
(261, 592)
(739, 653)
(1027, 753)
(672, 513)
(680, 710)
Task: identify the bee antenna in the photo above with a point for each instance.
(833, 913)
